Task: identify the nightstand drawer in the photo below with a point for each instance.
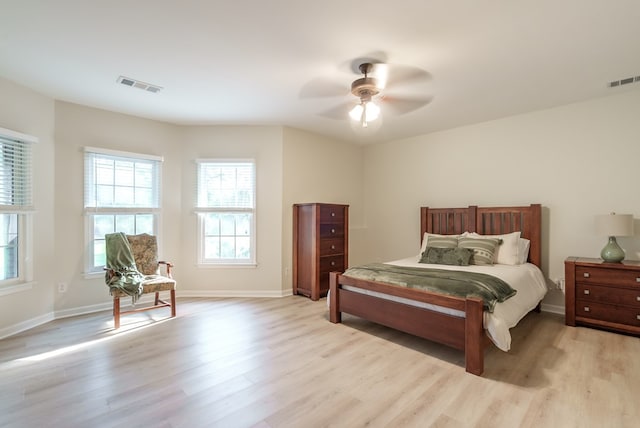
(607, 276)
(608, 295)
(609, 313)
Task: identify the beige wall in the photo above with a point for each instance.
(25, 111)
(577, 160)
(77, 127)
(319, 169)
(264, 144)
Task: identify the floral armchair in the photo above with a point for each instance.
(144, 249)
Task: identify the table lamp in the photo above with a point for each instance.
(613, 225)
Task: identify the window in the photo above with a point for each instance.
(122, 194)
(16, 207)
(226, 212)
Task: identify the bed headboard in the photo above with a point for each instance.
(487, 221)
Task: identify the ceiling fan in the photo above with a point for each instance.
(397, 89)
(366, 88)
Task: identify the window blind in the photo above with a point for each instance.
(16, 187)
(226, 184)
(121, 181)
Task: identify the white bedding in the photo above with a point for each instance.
(526, 278)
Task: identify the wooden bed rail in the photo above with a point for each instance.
(463, 333)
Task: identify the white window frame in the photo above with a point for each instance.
(202, 210)
(24, 210)
(92, 208)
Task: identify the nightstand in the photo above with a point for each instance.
(603, 295)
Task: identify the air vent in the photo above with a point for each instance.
(624, 81)
(138, 84)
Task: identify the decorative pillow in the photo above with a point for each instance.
(447, 256)
(523, 250)
(507, 253)
(441, 241)
(144, 248)
(483, 249)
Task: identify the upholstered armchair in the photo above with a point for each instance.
(146, 274)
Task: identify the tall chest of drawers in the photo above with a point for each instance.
(604, 295)
(320, 245)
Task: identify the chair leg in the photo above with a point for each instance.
(157, 298)
(116, 313)
(173, 303)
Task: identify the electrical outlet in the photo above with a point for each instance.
(62, 287)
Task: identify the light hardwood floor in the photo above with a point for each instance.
(281, 363)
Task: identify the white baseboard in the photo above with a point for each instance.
(234, 293)
(26, 325)
(554, 309)
(66, 313)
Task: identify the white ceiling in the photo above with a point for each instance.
(258, 62)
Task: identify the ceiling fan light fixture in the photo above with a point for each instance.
(365, 112)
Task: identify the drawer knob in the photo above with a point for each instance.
(333, 214)
(586, 291)
(333, 263)
(637, 298)
(637, 279)
(586, 275)
(333, 247)
(586, 308)
(333, 231)
(638, 317)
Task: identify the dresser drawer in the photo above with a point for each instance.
(332, 214)
(609, 313)
(331, 263)
(603, 275)
(331, 230)
(331, 246)
(608, 295)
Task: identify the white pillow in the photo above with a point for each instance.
(508, 252)
(425, 238)
(523, 249)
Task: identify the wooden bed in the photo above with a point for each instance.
(466, 334)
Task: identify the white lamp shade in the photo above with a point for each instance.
(371, 112)
(614, 224)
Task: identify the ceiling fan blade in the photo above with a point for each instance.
(339, 112)
(323, 88)
(381, 73)
(405, 74)
(400, 106)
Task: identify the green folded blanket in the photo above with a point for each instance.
(123, 275)
(450, 282)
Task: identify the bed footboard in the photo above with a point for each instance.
(466, 334)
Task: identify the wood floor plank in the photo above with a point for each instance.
(270, 363)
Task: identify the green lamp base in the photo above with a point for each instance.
(612, 253)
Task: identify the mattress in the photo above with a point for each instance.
(527, 279)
